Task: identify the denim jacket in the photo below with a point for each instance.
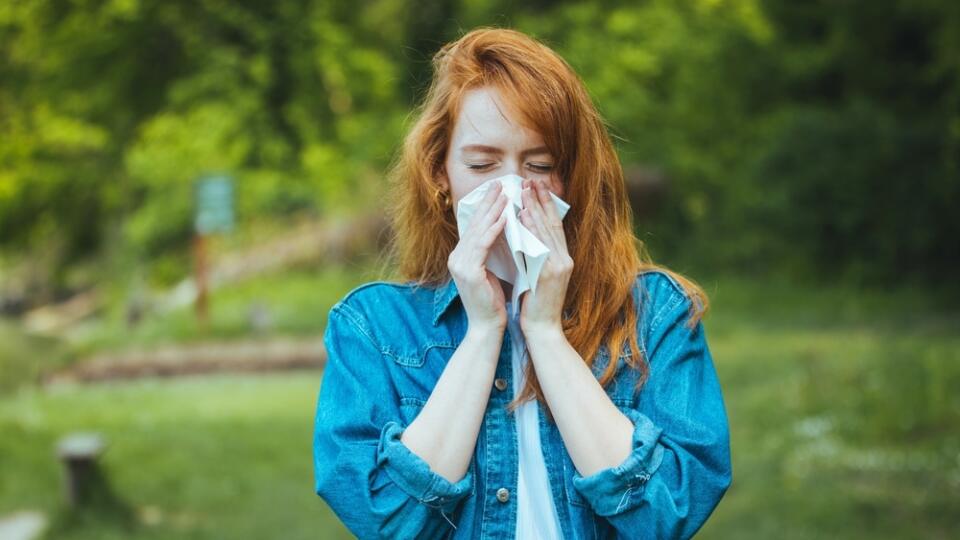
(388, 343)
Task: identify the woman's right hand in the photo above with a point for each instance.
(480, 290)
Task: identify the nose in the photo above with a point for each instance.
(512, 168)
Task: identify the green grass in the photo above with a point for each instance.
(199, 457)
(25, 357)
(843, 406)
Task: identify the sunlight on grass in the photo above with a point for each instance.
(842, 415)
(224, 456)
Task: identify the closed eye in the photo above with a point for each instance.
(533, 166)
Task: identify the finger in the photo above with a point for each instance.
(526, 220)
(482, 211)
(549, 207)
(482, 238)
(491, 214)
(489, 236)
(532, 206)
(488, 200)
(552, 220)
(482, 245)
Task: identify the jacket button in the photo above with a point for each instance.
(501, 384)
(503, 495)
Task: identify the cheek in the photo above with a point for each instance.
(461, 187)
(556, 187)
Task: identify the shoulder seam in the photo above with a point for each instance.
(677, 297)
(370, 284)
(357, 320)
(676, 286)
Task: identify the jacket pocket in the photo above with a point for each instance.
(409, 408)
(415, 375)
(419, 354)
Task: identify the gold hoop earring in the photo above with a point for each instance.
(443, 196)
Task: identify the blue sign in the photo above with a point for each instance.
(214, 204)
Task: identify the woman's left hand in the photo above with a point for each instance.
(542, 312)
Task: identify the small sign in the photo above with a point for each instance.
(214, 204)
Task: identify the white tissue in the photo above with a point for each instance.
(517, 255)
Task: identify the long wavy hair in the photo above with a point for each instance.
(554, 102)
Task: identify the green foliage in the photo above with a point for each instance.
(110, 112)
(804, 137)
(808, 137)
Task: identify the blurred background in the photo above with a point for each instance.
(186, 188)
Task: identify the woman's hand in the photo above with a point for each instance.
(542, 312)
(479, 289)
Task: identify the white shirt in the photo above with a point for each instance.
(536, 512)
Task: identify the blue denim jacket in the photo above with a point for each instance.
(387, 345)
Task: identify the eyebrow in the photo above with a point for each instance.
(494, 150)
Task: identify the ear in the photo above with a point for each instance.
(442, 179)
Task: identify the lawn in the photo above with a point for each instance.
(843, 404)
(225, 456)
(844, 409)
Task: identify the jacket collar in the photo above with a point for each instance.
(443, 296)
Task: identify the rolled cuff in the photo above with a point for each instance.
(617, 489)
(414, 475)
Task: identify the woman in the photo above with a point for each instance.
(439, 415)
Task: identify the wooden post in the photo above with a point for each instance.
(213, 201)
(200, 277)
(79, 452)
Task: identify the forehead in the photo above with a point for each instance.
(485, 118)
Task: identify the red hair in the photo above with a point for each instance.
(553, 101)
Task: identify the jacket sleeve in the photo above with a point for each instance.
(679, 467)
(369, 478)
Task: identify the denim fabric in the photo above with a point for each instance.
(387, 345)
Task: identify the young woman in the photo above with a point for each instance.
(441, 416)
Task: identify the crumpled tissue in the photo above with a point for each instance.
(517, 255)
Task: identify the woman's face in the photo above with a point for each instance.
(489, 142)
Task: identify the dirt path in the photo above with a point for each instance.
(186, 359)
